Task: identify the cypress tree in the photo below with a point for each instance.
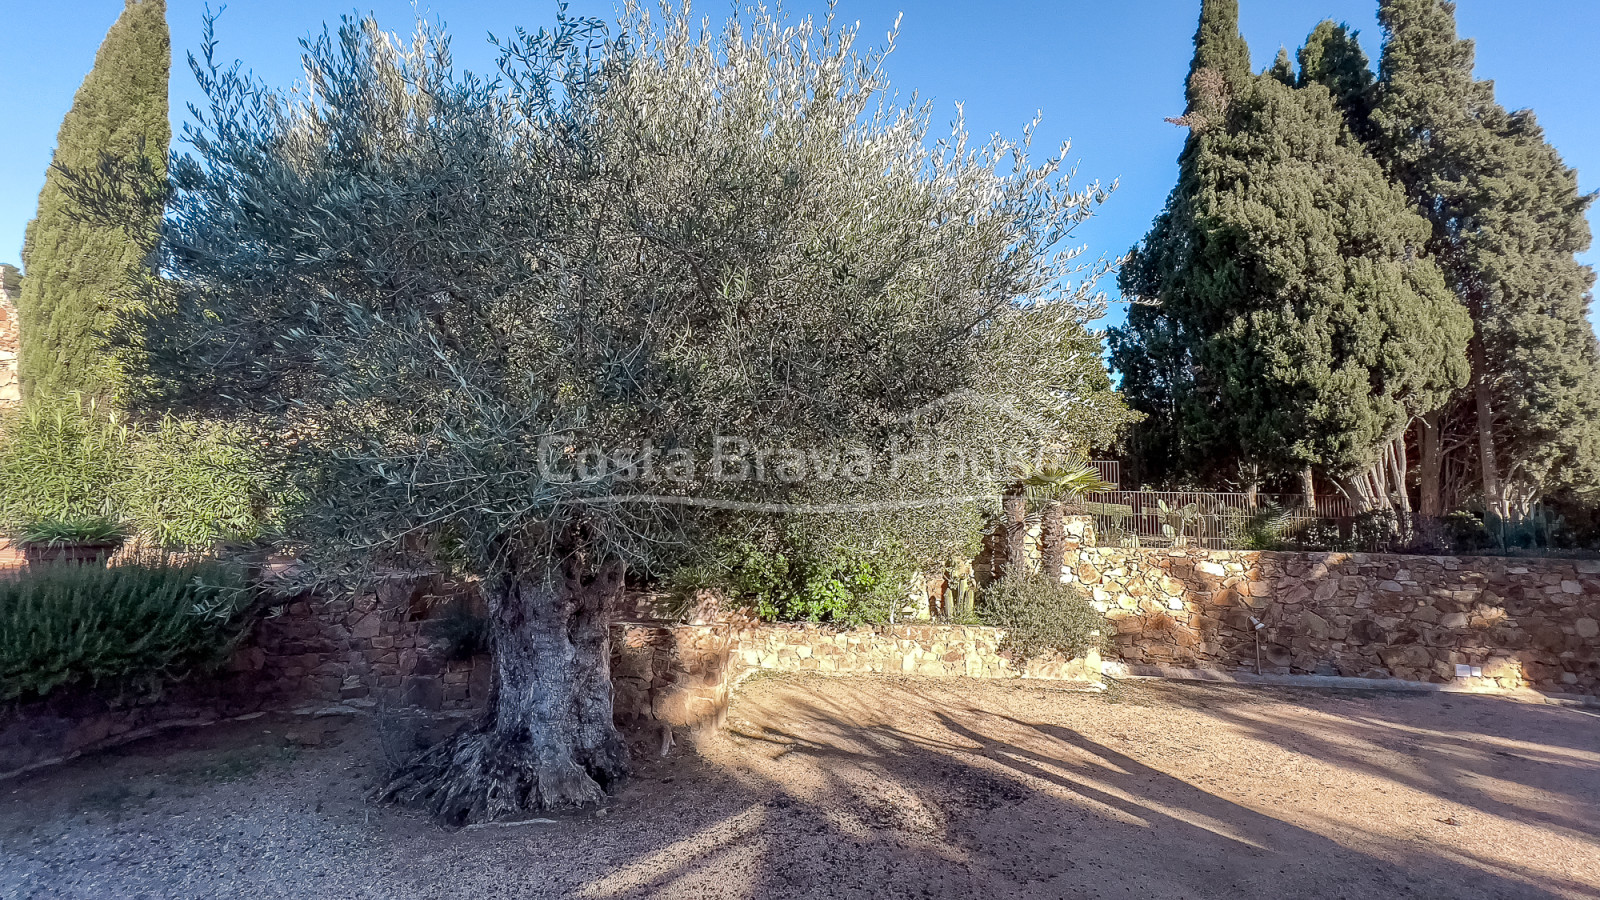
(1154, 352)
(1333, 58)
(1508, 220)
(1283, 67)
(79, 269)
(1286, 315)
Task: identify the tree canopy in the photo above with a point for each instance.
(1508, 221)
(545, 325)
(1287, 316)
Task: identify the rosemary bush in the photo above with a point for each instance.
(123, 628)
(1041, 615)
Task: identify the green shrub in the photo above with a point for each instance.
(61, 460)
(127, 627)
(72, 531)
(1266, 528)
(1041, 615)
(177, 483)
(795, 582)
(192, 484)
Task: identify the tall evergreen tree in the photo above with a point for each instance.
(1154, 352)
(10, 282)
(1508, 220)
(1333, 58)
(1288, 318)
(79, 269)
(1283, 67)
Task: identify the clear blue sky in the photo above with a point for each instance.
(1104, 72)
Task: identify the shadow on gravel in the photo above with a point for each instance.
(993, 805)
(859, 788)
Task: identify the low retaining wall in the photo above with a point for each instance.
(314, 656)
(684, 675)
(1512, 622)
(386, 650)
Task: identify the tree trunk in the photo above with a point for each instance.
(1015, 507)
(1399, 467)
(547, 740)
(1308, 486)
(1357, 489)
(1053, 540)
(1430, 500)
(1493, 495)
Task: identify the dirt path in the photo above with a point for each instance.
(856, 788)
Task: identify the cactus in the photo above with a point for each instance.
(1176, 521)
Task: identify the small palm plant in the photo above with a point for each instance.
(1047, 489)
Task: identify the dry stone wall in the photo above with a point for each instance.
(10, 388)
(387, 650)
(1510, 622)
(317, 656)
(683, 675)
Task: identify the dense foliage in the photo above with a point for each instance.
(1042, 615)
(61, 459)
(122, 628)
(798, 580)
(1288, 317)
(513, 267)
(67, 463)
(1508, 220)
(1249, 378)
(81, 268)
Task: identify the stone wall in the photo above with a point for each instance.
(316, 656)
(683, 675)
(10, 389)
(1511, 622)
(389, 649)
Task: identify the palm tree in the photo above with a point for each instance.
(1042, 496)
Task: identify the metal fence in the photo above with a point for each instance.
(1110, 472)
(1217, 521)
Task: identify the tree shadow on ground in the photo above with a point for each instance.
(970, 803)
(858, 788)
(1524, 762)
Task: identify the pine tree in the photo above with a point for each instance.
(79, 268)
(1508, 220)
(1298, 324)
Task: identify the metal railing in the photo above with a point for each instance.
(1110, 472)
(1221, 521)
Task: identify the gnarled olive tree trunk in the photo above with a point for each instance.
(547, 740)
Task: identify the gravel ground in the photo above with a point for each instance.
(856, 788)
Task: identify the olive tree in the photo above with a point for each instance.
(545, 325)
